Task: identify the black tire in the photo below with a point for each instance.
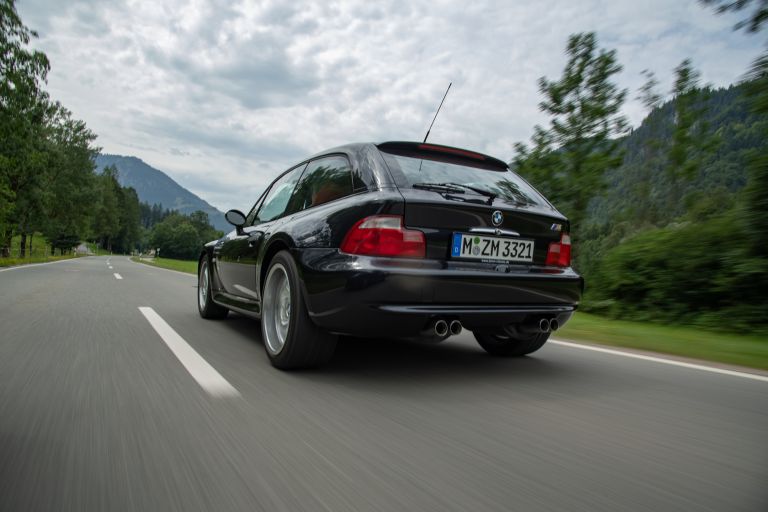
(291, 339)
(503, 345)
(205, 305)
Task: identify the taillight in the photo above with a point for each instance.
(559, 253)
(384, 235)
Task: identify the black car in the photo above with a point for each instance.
(398, 239)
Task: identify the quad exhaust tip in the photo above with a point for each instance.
(548, 325)
(533, 326)
(441, 328)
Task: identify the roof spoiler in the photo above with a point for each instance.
(439, 152)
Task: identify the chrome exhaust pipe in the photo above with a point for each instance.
(554, 325)
(455, 327)
(441, 328)
(531, 326)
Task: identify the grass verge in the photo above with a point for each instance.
(190, 267)
(13, 262)
(690, 342)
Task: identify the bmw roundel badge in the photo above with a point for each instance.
(497, 218)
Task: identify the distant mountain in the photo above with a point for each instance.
(155, 187)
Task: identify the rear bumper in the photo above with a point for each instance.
(365, 296)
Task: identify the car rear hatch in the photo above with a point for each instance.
(473, 211)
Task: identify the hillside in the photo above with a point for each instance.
(638, 189)
(155, 187)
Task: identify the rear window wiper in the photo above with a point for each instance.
(487, 193)
(439, 187)
(455, 188)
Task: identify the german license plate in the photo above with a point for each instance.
(476, 247)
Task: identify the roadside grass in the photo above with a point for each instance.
(41, 252)
(190, 267)
(39, 247)
(12, 262)
(729, 348)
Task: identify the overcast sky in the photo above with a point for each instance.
(222, 95)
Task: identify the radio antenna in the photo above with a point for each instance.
(438, 111)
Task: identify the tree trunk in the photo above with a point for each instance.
(23, 245)
(31, 236)
(5, 250)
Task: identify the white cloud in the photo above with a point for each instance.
(223, 95)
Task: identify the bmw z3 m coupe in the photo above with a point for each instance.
(398, 239)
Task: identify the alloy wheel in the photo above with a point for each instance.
(202, 286)
(277, 308)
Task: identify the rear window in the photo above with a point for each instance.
(414, 169)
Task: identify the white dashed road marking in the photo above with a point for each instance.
(118, 276)
(662, 360)
(205, 374)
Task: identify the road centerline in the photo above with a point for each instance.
(205, 374)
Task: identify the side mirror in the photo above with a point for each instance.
(237, 219)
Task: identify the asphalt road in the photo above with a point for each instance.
(97, 413)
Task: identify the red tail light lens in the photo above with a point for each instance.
(559, 253)
(384, 235)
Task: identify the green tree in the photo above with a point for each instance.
(22, 108)
(24, 147)
(756, 193)
(129, 234)
(205, 231)
(176, 237)
(181, 236)
(106, 221)
(69, 182)
(21, 69)
(569, 159)
(691, 142)
(643, 211)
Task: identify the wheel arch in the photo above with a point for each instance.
(207, 252)
(277, 244)
(203, 254)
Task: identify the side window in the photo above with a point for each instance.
(276, 202)
(251, 218)
(324, 180)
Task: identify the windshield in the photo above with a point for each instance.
(505, 185)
